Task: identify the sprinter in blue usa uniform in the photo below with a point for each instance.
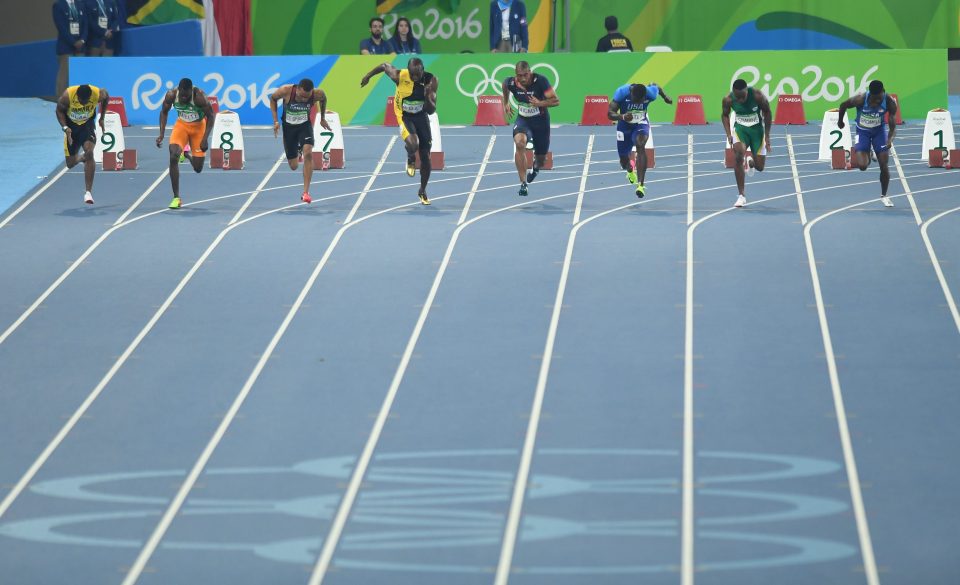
(871, 133)
(629, 109)
(533, 94)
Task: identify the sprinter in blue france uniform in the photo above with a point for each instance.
(533, 94)
(629, 109)
(871, 106)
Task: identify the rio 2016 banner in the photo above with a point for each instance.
(709, 25)
(822, 78)
(442, 26)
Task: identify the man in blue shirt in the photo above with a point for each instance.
(375, 45)
(508, 26)
(69, 16)
(629, 109)
(871, 107)
(103, 25)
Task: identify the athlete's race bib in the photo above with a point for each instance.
(79, 116)
(869, 120)
(528, 111)
(102, 22)
(748, 119)
(297, 117)
(412, 107)
(639, 116)
(74, 28)
(188, 115)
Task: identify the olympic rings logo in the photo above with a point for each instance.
(472, 86)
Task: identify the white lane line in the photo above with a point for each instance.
(95, 393)
(687, 526)
(951, 303)
(33, 197)
(583, 179)
(107, 234)
(850, 463)
(906, 187)
(181, 496)
(689, 178)
(796, 181)
(512, 528)
(332, 540)
(366, 188)
(476, 182)
(257, 191)
(76, 263)
(142, 198)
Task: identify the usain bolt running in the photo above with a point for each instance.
(415, 100)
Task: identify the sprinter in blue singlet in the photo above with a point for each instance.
(871, 106)
(629, 109)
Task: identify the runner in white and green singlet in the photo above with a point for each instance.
(751, 109)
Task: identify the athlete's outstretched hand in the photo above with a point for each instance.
(364, 81)
(325, 125)
(276, 128)
(840, 123)
(159, 141)
(766, 140)
(204, 144)
(507, 110)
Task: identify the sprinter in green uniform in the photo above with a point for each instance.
(751, 109)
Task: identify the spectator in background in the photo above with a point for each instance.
(69, 16)
(103, 26)
(614, 42)
(403, 41)
(508, 26)
(375, 45)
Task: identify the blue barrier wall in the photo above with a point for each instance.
(31, 68)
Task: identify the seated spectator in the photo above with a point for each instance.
(375, 45)
(103, 26)
(614, 42)
(403, 41)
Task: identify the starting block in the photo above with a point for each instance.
(937, 158)
(115, 104)
(595, 108)
(122, 160)
(689, 110)
(226, 159)
(789, 110)
(214, 103)
(330, 142)
(937, 136)
(841, 159)
(112, 141)
(226, 150)
(436, 148)
(730, 157)
(898, 119)
(954, 159)
(651, 158)
(833, 138)
(390, 115)
(489, 111)
(547, 161)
